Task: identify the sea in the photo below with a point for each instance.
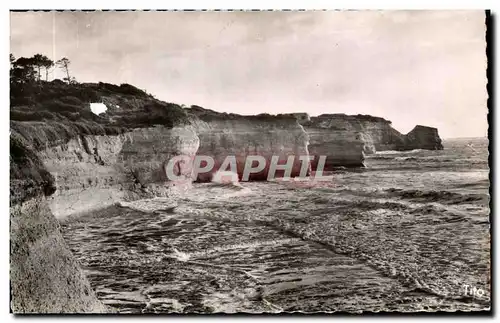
(410, 232)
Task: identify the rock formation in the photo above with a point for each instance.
(422, 137)
(93, 172)
(342, 146)
(223, 135)
(374, 133)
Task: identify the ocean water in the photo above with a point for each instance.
(410, 232)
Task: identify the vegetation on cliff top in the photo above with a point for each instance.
(358, 117)
(34, 99)
(45, 113)
(210, 115)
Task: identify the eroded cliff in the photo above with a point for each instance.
(423, 137)
(342, 146)
(93, 172)
(374, 133)
(223, 135)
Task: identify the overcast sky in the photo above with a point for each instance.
(411, 67)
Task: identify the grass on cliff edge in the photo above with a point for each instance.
(128, 106)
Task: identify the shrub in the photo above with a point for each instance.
(72, 116)
(58, 82)
(32, 115)
(108, 87)
(131, 90)
(58, 106)
(72, 100)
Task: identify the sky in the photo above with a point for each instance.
(410, 67)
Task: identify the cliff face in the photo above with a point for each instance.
(422, 137)
(375, 133)
(85, 174)
(222, 136)
(93, 172)
(341, 147)
(44, 276)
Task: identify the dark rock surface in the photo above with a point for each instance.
(422, 137)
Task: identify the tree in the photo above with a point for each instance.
(23, 62)
(41, 61)
(23, 70)
(63, 63)
(47, 63)
(12, 59)
(37, 59)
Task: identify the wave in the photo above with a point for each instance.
(445, 197)
(403, 241)
(482, 183)
(179, 255)
(375, 157)
(226, 178)
(394, 152)
(426, 159)
(406, 158)
(157, 204)
(183, 256)
(442, 159)
(418, 158)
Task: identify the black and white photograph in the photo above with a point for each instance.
(249, 162)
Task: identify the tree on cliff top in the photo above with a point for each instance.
(30, 69)
(41, 61)
(22, 70)
(63, 63)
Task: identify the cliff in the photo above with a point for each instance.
(84, 161)
(222, 135)
(93, 172)
(340, 143)
(374, 133)
(422, 137)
